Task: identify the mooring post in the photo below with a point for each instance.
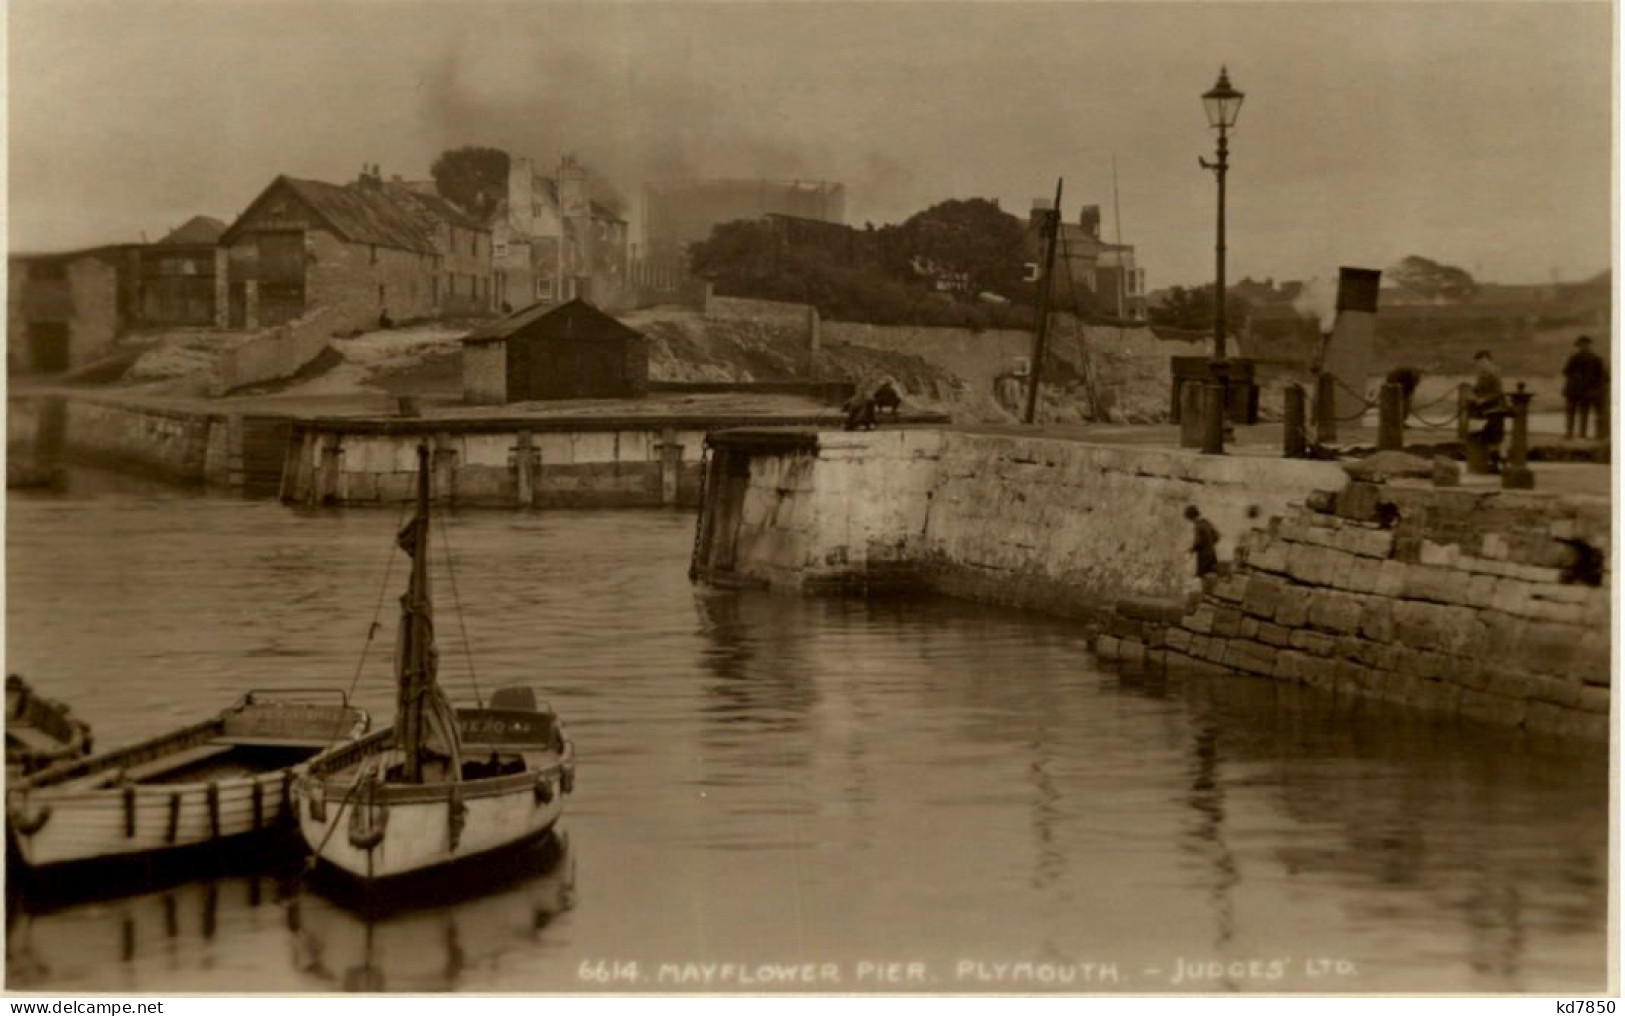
(671, 465)
(1391, 419)
(1325, 408)
(445, 469)
(524, 462)
(327, 485)
(1515, 475)
(1190, 414)
(1294, 435)
(1213, 418)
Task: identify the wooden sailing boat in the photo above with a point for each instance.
(442, 785)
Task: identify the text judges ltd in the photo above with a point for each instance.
(870, 974)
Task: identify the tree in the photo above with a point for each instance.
(973, 236)
(1433, 281)
(472, 177)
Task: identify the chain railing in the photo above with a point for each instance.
(1452, 420)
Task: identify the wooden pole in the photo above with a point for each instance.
(1041, 332)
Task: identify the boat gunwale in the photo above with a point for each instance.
(116, 759)
(48, 783)
(338, 791)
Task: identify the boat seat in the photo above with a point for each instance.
(146, 770)
(33, 739)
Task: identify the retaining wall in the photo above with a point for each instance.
(1456, 602)
(170, 444)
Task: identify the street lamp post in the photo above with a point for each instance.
(1223, 104)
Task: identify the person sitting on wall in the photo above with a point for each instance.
(1206, 543)
(1487, 402)
(860, 413)
(1407, 378)
(887, 399)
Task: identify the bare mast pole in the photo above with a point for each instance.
(1052, 228)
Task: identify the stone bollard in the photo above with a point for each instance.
(1294, 435)
(1325, 408)
(1391, 419)
(1515, 474)
(1190, 415)
(1213, 419)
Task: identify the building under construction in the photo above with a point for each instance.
(680, 214)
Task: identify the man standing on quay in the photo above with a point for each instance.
(1585, 389)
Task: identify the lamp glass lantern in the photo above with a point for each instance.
(1223, 102)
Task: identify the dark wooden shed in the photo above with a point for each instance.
(571, 351)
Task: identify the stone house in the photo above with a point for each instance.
(182, 277)
(553, 243)
(1108, 271)
(65, 309)
(353, 253)
(572, 351)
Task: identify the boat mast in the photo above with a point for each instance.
(415, 660)
(1052, 229)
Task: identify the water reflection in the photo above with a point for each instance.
(433, 939)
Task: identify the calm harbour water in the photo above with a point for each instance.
(809, 794)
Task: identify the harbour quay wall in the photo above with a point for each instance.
(1026, 521)
(177, 445)
(1458, 602)
(555, 462)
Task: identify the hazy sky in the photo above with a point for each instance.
(1476, 133)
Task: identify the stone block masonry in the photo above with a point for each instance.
(1456, 602)
(1036, 522)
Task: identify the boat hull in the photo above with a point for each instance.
(58, 827)
(434, 826)
(375, 830)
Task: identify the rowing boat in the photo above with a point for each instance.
(39, 731)
(207, 785)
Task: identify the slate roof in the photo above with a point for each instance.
(357, 214)
(199, 229)
(434, 205)
(506, 327)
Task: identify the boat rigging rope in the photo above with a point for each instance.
(457, 601)
(315, 855)
(372, 627)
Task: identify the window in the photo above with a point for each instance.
(544, 289)
(499, 249)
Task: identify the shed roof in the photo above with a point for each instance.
(524, 318)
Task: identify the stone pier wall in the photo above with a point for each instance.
(1447, 600)
(170, 444)
(1034, 522)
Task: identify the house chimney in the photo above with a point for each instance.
(1089, 219)
(522, 197)
(572, 188)
(1041, 209)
